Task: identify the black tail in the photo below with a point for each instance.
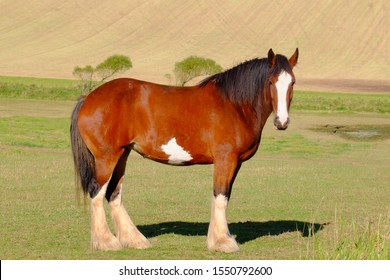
(84, 161)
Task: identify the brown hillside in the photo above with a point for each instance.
(341, 42)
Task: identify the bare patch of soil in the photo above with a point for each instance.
(344, 85)
(357, 132)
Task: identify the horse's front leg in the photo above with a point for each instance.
(219, 237)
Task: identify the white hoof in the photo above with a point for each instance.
(225, 244)
(106, 243)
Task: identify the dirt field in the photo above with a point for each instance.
(344, 85)
(344, 45)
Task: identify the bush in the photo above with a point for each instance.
(194, 66)
(111, 66)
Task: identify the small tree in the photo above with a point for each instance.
(111, 66)
(194, 66)
(85, 76)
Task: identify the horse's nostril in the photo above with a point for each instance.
(277, 121)
(279, 125)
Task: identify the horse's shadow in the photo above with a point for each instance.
(243, 232)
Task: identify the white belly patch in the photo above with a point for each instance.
(176, 153)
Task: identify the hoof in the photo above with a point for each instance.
(109, 244)
(225, 244)
(140, 243)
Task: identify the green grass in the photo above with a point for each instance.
(33, 91)
(341, 102)
(352, 241)
(37, 132)
(40, 82)
(306, 194)
(34, 88)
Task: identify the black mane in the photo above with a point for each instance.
(243, 83)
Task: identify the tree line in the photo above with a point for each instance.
(90, 77)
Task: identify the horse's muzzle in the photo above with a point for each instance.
(279, 125)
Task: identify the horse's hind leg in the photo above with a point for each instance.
(102, 238)
(126, 231)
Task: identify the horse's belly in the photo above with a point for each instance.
(171, 152)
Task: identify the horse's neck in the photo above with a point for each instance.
(263, 109)
(257, 115)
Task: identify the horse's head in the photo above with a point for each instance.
(281, 81)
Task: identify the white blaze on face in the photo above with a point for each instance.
(282, 85)
(176, 153)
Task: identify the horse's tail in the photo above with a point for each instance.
(84, 161)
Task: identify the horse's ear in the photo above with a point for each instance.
(294, 58)
(271, 57)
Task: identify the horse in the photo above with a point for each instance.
(218, 121)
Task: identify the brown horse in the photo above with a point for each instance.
(218, 122)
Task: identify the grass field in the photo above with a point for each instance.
(309, 192)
